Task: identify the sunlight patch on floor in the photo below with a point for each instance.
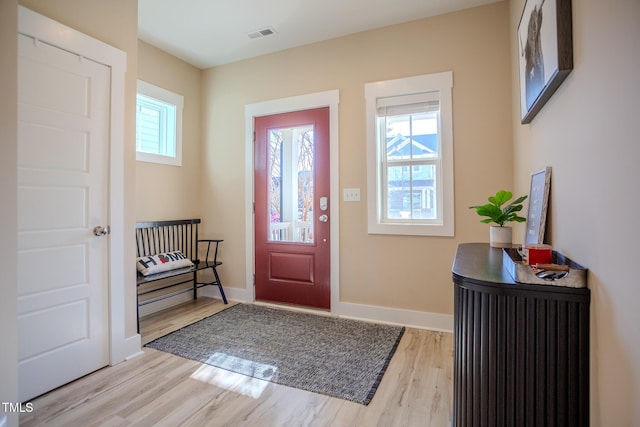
(235, 382)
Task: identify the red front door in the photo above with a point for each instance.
(292, 236)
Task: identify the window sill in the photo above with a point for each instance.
(155, 158)
(412, 229)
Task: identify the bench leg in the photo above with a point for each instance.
(219, 283)
(138, 309)
(195, 285)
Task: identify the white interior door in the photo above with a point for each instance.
(63, 115)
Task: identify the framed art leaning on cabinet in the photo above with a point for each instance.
(538, 203)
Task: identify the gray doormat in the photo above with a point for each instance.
(336, 357)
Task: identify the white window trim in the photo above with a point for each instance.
(442, 82)
(167, 96)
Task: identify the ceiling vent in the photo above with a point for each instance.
(264, 32)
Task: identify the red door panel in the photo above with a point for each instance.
(292, 242)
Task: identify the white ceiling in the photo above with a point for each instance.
(207, 33)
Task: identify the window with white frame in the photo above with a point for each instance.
(158, 125)
(410, 156)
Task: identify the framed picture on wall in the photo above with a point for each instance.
(545, 52)
(538, 203)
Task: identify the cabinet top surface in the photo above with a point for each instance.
(481, 264)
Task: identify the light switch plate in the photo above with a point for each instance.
(351, 194)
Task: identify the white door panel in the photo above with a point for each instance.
(35, 303)
(58, 215)
(39, 331)
(65, 149)
(70, 94)
(65, 266)
(63, 116)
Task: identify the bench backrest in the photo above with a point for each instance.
(156, 237)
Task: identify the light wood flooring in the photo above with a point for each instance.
(159, 389)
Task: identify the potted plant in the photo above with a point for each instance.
(501, 236)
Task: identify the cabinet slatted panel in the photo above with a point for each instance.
(521, 355)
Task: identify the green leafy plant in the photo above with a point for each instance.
(498, 214)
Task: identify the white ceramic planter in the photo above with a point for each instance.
(500, 237)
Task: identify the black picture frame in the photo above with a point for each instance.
(538, 204)
(545, 51)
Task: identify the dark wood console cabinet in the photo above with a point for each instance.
(521, 352)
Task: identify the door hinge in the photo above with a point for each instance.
(254, 280)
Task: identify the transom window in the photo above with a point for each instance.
(410, 156)
(158, 125)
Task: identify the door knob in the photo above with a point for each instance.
(101, 231)
(323, 218)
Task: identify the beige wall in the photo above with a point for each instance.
(392, 271)
(162, 191)
(114, 22)
(8, 214)
(588, 133)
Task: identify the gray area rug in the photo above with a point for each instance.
(337, 357)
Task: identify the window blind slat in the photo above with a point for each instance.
(400, 110)
(408, 104)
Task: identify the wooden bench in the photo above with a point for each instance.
(157, 237)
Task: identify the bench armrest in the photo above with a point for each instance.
(215, 251)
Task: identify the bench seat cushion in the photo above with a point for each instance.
(153, 264)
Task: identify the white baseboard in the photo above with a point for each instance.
(166, 303)
(408, 318)
(134, 355)
(395, 316)
(132, 346)
(234, 294)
